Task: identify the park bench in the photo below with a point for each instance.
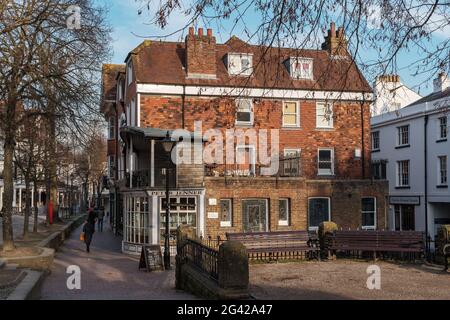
(406, 243)
(278, 244)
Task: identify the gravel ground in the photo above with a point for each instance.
(346, 279)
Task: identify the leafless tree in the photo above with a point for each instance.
(51, 67)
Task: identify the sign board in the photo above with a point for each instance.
(213, 215)
(212, 201)
(176, 193)
(414, 200)
(151, 258)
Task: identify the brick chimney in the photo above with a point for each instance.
(391, 78)
(335, 42)
(441, 83)
(201, 54)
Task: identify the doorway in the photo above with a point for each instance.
(254, 212)
(404, 217)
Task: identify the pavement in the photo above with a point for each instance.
(106, 273)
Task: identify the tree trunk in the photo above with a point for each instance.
(26, 221)
(35, 207)
(52, 161)
(8, 237)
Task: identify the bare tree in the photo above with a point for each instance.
(47, 66)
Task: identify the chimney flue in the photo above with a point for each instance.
(191, 31)
(333, 29)
(200, 32)
(209, 33)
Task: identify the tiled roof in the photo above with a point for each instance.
(431, 97)
(164, 63)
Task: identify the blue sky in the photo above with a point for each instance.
(130, 29)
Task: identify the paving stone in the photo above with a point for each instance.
(106, 273)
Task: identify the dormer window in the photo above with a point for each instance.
(240, 64)
(300, 68)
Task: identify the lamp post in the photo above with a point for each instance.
(167, 144)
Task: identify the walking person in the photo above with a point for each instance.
(89, 228)
(101, 215)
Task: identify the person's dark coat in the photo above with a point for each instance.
(89, 228)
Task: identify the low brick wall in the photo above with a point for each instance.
(232, 271)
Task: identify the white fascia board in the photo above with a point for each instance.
(161, 89)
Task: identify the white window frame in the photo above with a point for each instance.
(399, 173)
(297, 114)
(400, 136)
(374, 227)
(227, 223)
(234, 64)
(332, 162)
(439, 127)
(288, 214)
(294, 61)
(373, 144)
(441, 171)
(129, 72)
(329, 212)
(250, 111)
(330, 121)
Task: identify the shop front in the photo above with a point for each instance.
(404, 212)
(145, 216)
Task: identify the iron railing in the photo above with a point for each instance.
(289, 166)
(200, 256)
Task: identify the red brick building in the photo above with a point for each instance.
(316, 101)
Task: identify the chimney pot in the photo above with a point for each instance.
(209, 33)
(191, 31)
(333, 29)
(200, 32)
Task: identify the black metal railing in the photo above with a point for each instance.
(200, 256)
(288, 167)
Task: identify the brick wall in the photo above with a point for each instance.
(345, 200)
(166, 112)
(200, 53)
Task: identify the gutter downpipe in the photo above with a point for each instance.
(427, 252)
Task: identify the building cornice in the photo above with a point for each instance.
(216, 91)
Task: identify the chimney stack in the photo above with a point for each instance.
(335, 42)
(201, 61)
(441, 83)
(393, 78)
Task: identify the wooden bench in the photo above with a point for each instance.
(382, 242)
(278, 244)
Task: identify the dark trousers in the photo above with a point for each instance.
(100, 224)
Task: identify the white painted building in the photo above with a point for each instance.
(411, 148)
(391, 94)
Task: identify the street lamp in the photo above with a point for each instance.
(167, 144)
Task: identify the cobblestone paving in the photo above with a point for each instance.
(106, 273)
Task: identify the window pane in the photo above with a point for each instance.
(283, 209)
(254, 215)
(225, 210)
(290, 107)
(368, 204)
(290, 119)
(325, 155)
(318, 211)
(243, 116)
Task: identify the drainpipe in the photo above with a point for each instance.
(363, 158)
(182, 107)
(426, 185)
